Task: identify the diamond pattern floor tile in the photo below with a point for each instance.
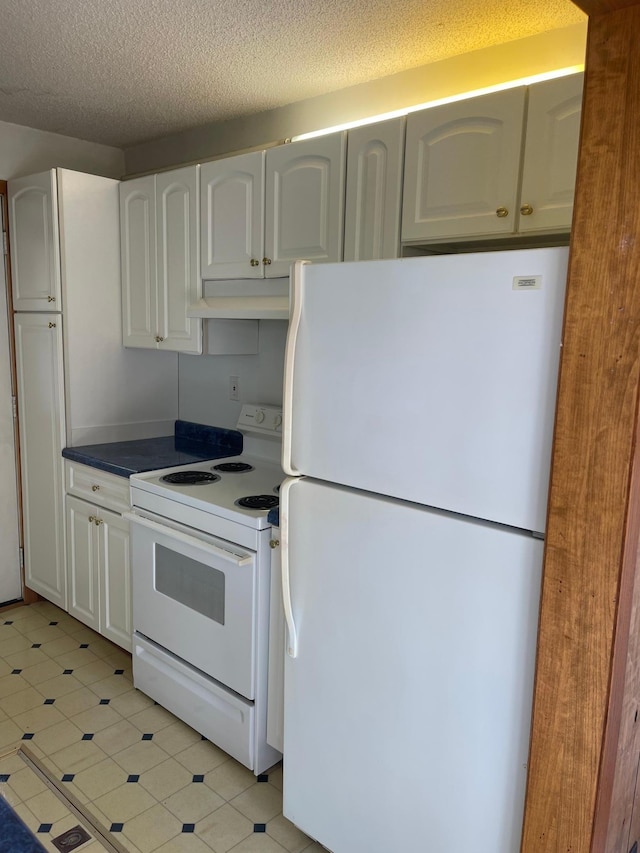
(129, 762)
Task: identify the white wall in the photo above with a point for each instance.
(25, 151)
(538, 54)
(204, 380)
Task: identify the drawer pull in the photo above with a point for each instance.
(95, 488)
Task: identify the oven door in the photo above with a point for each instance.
(194, 595)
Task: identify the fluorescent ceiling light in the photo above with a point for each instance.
(522, 81)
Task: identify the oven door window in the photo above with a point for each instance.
(189, 582)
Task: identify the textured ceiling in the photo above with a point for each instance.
(126, 71)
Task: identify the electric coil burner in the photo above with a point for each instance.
(233, 467)
(258, 501)
(190, 478)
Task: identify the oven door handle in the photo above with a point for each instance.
(184, 538)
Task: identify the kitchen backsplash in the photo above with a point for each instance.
(204, 381)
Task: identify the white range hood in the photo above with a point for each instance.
(255, 299)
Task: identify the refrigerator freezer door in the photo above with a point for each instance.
(408, 703)
(429, 379)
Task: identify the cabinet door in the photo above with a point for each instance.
(304, 202)
(42, 430)
(374, 191)
(178, 266)
(551, 154)
(115, 578)
(462, 163)
(138, 260)
(83, 596)
(35, 247)
(232, 217)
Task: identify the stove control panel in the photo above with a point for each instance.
(266, 420)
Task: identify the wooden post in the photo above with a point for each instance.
(585, 736)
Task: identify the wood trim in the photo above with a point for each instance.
(28, 595)
(603, 7)
(592, 533)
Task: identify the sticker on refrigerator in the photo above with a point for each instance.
(527, 282)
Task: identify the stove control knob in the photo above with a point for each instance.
(259, 416)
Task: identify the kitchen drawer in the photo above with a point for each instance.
(99, 487)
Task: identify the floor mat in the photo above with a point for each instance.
(51, 820)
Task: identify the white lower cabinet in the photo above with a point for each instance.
(40, 383)
(98, 562)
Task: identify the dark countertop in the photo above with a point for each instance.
(190, 443)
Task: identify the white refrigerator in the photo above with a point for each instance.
(418, 416)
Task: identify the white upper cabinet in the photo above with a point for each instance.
(160, 260)
(304, 202)
(375, 154)
(232, 217)
(551, 154)
(462, 165)
(138, 255)
(35, 247)
(178, 253)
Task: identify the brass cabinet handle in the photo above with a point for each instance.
(526, 210)
(254, 262)
(274, 543)
(98, 522)
(266, 261)
(92, 518)
(95, 488)
(159, 339)
(501, 212)
(52, 325)
(51, 299)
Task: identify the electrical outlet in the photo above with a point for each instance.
(234, 388)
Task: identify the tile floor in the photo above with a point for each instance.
(67, 695)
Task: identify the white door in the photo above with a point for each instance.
(232, 217)
(115, 578)
(551, 154)
(42, 430)
(408, 703)
(429, 379)
(373, 201)
(138, 260)
(35, 248)
(83, 590)
(304, 202)
(10, 580)
(178, 264)
(462, 165)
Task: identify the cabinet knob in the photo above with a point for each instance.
(52, 325)
(98, 522)
(159, 339)
(51, 299)
(266, 261)
(274, 543)
(526, 210)
(255, 262)
(95, 488)
(92, 518)
(501, 212)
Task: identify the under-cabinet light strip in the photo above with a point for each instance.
(522, 81)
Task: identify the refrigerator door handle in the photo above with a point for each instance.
(289, 365)
(292, 644)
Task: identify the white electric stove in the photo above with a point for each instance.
(201, 577)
